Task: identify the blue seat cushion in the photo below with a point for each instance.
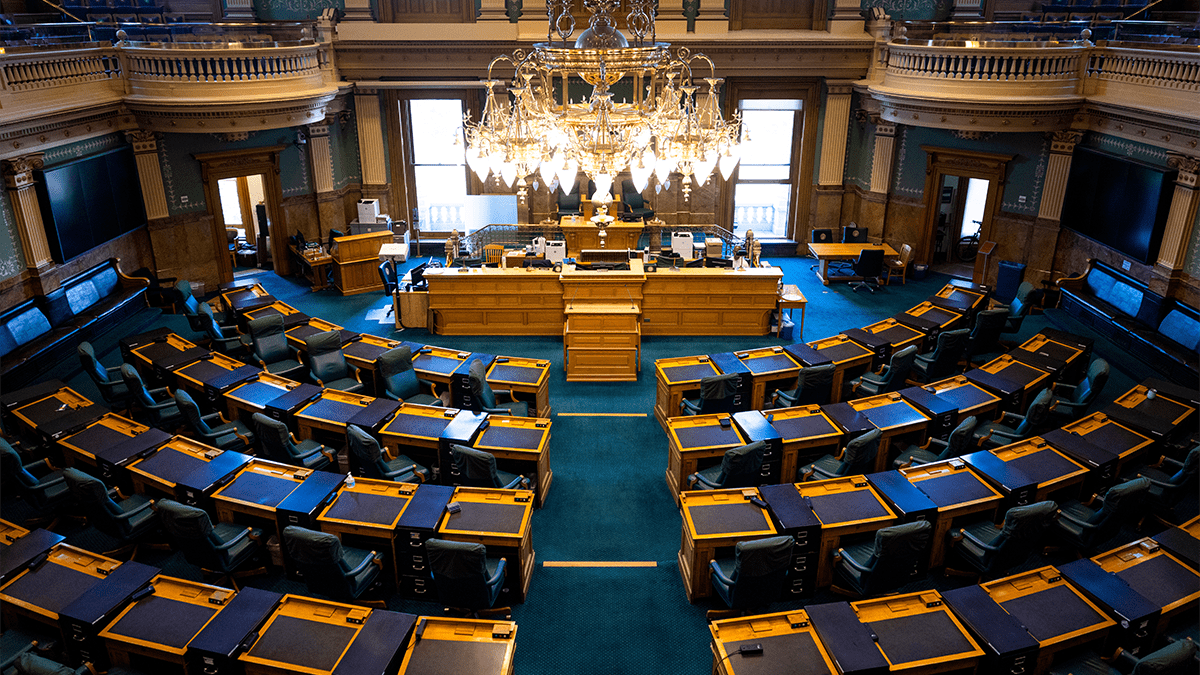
(1181, 329)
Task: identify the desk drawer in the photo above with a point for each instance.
(601, 364)
(602, 340)
(603, 322)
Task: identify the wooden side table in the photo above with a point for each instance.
(789, 298)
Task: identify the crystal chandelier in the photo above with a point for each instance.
(671, 126)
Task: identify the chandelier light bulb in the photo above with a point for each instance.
(727, 164)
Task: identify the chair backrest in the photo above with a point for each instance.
(187, 302)
(897, 556)
(191, 531)
(759, 569)
(91, 366)
(325, 358)
(1178, 657)
(395, 368)
(209, 322)
(333, 234)
(568, 201)
(716, 393)
(268, 339)
(1020, 303)
(900, 366)
(822, 235)
(951, 345)
(320, 559)
(387, 275)
(460, 573)
(1121, 502)
(366, 450)
(816, 384)
(742, 466)
(1036, 415)
(906, 254)
(1092, 384)
(482, 394)
(869, 263)
(960, 439)
(853, 234)
(133, 381)
(860, 453)
(630, 195)
(477, 468)
(92, 496)
(275, 437)
(493, 253)
(191, 412)
(1187, 473)
(1023, 531)
(12, 467)
(985, 336)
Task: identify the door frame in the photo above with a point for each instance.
(942, 162)
(234, 163)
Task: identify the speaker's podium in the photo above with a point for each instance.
(602, 330)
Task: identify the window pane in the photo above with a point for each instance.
(231, 206)
(762, 208)
(435, 125)
(760, 172)
(770, 134)
(441, 192)
(439, 164)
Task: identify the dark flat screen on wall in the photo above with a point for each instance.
(90, 201)
(1119, 202)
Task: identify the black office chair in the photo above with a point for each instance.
(1087, 527)
(158, 404)
(813, 386)
(716, 395)
(484, 397)
(127, 521)
(327, 365)
(961, 442)
(822, 235)
(466, 579)
(400, 381)
(26, 662)
(281, 446)
(992, 550)
(1170, 481)
(107, 380)
(996, 434)
(943, 361)
(1178, 657)
(754, 577)
(985, 336)
(853, 234)
(857, 457)
(569, 203)
(214, 429)
(387, 275)
(225, 339)
(891, 378)
(330, 569)
(633, 202)
(739, 467)
(476, 468)
(270, 349)
(373, 464)
(893, 559)
(188, 305)
(217, 550)
(869, 266)
(1072, 401)
(39, 484)
(1019, 309)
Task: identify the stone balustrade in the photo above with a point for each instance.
(959, 68)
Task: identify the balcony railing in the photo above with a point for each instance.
(1024, 69)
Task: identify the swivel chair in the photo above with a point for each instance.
(754, 577)
(813, 386)
(894, 558)
(214, 429)
(483, 397)
(569, 203)
(217, 550)
(1178, 657)
(739, 467)
(1078, 398)
(330, 569)
(127, 521)
(39, 484)
(1019, 309)
(373, 464)
(387, 275)
(992, 550)
(853, 234)
(270, 349)
(466, 579)
(1088, 528)
(1170, 481)
(158, 404)
(891, 378)
(716, 395)
(985, 335)
(961, 442)
(857, 457)
(327, 365)
(281, 446)
(188, 305)
(225, 339)
(476, 468)
(26, 662)
(400, 381)
(943, 361)
(822, 235)
(633, 202)
(869, 266)
(107, 380)
(996, 434)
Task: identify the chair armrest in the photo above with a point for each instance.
(686, 405)
(367, 560)
(1158, 483)
(1059, 385)
(697, 478)
(1073, 519)
(849, 560)
(716, 570)
(213, 419)
(143, 507)
(935, 441)
(975, 540)
(40, 464)
(408, 469)
(1013, 416)
(1172, 463)
(232, 542)
(780, 394)
(164, 391)
(507, 392)
(114, 373)
(821, 472)
(501, 567)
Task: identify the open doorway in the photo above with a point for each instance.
(961, 207)
(963, 192)
(247, 230)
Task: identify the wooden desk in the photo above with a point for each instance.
(693, 438)
(807, 434)
(477, 647)
(313, 264)
(958, 299)
(10, 532)
(931, 320)
(885, 338)
(185, 607)
(849, 358)
(787, 640)
(291, 316)
(110, 444)
(770, 368)
(917, 633)
(961, 394)
(256, 490)
(362, 351)
(521, 445)
(356, 262)
(826, 252)
(498, 519)
(186, 471)
(677, 378)
(156, 360)
(296, 335)
(790, 297)
(1158, 416)
(709, 301)
(212, 375)
(957, 491)
(1052, 356)
(1053, 611)
(327, 415)
(469, 301)
(1028, 471)
(367, 515)
(845, 506)
(239, 300)
(318, 637)
(582, 234)
(602, 342)
(253, 396)
(436, 364)
(1014, 382)
(714, 521)
(415, 431)
(1098, 429)
(1156, 575)
(42, 591)
(527, 379)
(896, 418)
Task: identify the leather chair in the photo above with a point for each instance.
(107, 380)
(39, 484)
(985, 336)
(270, 350)
(633, 203)
(1072, 401)
(1089, 526)
(281, 446)
(158, 404)
(1019, 309)
(26, 662)
(869, 266)
(387, 275)
(893, 559)
(857, 457)
(813, 386)
(716, 395)
(754, 577)
(372, 463)
(961, 442)
(992, 550)
(465, 578)
(225, 339)
(217, 550)
(739, 467)
(569, 203)
(400, 381)
(821, 235)
(1170, 481)
(996, 434)
(483, 397)
(476, 468)
(327, 365)
(214, 429)
(891, 378)
(943, 361)
(330, 569)
(188, 305)
(127, 521)
(853, 234)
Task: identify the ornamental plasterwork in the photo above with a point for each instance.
(968, 118)
(232, 120)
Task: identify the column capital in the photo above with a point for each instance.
(18, 172)
(143, 142)
(1188, 167)
(1065, 140)
(839, 87)
(319, 129)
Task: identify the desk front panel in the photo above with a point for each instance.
(789, 644)
(692, 439)
(42, 591)
(678, 378)
(917, 633)
(461, 647)
(495, 301)
(845, 506)
(701, 301)
(958, 492)
(160, 625)
(500, 520)
(714, 521)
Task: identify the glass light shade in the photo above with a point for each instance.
(727, 164)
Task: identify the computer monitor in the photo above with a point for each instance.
(417, 277)
(719, 262)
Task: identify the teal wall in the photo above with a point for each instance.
(12, 257)
(1026, 171)
(293, 10)
(912, 10)
(1125, 148)
(860, 150)
(343, 145)
(181, 171)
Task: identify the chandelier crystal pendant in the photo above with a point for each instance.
(673, 125)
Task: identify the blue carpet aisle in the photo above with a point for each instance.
(609, 502)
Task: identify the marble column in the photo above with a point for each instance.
(1173, 250)
(1041, 249)
(18, 179)
(370, 149)
(145, 152)
(873, 209)
(330, 214)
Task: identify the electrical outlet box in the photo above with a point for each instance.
(1125, 265)
(1021, 199)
